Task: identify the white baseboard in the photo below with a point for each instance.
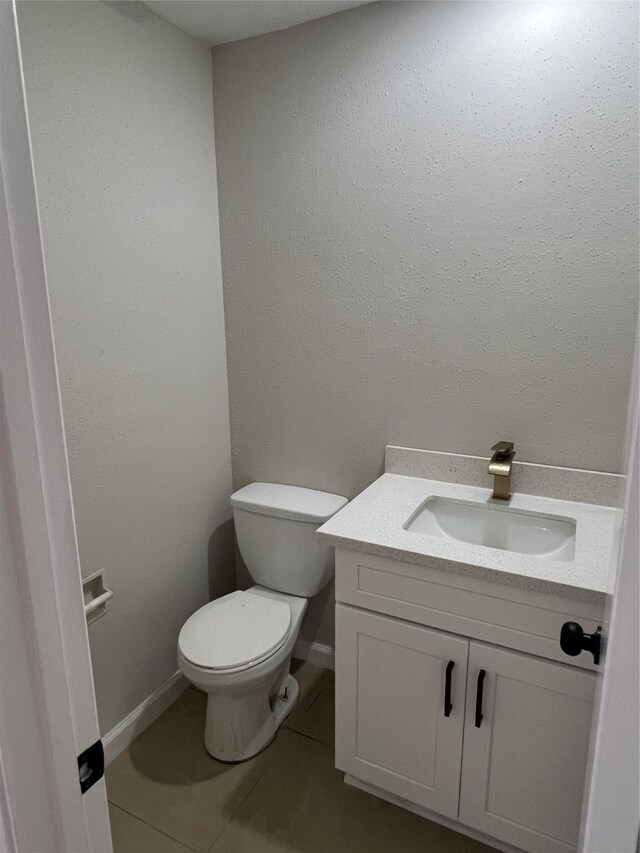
(120, 736)
(317, 653)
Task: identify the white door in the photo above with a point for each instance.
(400, 691)
(612, 800)
(526, 740)
(47, 706)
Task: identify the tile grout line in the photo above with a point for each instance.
(322, 691)
(250, 789)
(312, 739)
(292, 728)
(308, 708)
(291, 731)
(241, 803)
(315, 699)
(151, 826)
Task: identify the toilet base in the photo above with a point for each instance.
(238, 727)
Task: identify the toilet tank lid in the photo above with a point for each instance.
(293, 502)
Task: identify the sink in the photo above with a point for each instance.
(494, 526)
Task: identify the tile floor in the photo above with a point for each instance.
(167, 795)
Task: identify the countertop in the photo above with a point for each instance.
(373, 523)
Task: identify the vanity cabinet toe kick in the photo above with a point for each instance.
(454, 699)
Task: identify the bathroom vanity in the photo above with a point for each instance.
(454, 697)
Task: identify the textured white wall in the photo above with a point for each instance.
(429, 219)
(121, 114)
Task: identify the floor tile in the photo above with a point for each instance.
(301, 805)
(312, 680)
(131, 835)
(167, 779)
(318, 721)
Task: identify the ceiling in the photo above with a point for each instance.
(219, 21)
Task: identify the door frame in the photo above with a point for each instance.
(36, 496)
(611, 812)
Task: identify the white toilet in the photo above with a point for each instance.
(238, 648)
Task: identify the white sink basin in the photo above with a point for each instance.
(496, 527)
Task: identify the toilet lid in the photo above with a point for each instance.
(237, 630)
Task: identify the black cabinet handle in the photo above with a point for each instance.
(479, 690)
(447, 689)
(573, 640)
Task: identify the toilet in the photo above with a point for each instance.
(237, 649)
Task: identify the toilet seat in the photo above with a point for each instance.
(235, 632)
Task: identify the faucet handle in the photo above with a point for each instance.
(503, 448)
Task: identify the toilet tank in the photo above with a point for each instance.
(275, 528)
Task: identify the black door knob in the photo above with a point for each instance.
(573, 640)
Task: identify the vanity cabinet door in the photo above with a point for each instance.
(525, 749)
(393, 728)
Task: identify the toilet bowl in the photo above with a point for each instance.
(237, 649)
(250, 691)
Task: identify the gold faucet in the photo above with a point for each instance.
(500, 467)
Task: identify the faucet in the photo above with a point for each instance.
(500, 467)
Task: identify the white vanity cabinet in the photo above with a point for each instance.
(524, 762)
(485, 725)
(391, 690)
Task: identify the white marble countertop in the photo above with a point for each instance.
(373, 522)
